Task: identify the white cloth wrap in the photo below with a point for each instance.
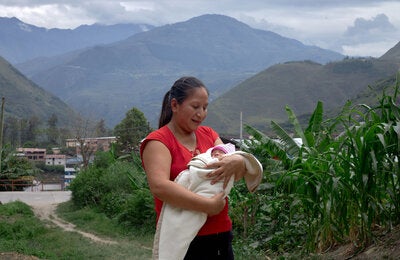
(176, 227)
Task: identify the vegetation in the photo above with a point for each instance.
(13, 167)
(117, 188)
(20, 231)
(342, 184)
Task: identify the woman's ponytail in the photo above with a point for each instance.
(166, 112)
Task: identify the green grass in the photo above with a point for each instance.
(22, 232)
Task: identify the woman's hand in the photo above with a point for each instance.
(217, 203)
(226, 167)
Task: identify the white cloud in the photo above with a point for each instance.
(48, 16)
(373, 36)
(373, 29)
(374, 49)
(349, 30)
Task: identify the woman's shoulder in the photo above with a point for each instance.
(162, 135)
(159, 133)
(207, 131)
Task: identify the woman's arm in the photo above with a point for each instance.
(157, 163)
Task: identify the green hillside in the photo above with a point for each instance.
(370, 95)
(24, 99)
(300, 85)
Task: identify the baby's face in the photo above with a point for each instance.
(217, 153)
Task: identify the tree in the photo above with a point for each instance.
(14, 167)
(11, 131)
(101, 129)
(131, 130)
(52, 131)
(29, 130)
(83, 130)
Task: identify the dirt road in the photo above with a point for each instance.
(36, 198)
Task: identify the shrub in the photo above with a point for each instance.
(117, 188)
(138, 210)
(88, 188)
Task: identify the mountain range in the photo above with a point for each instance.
(247, 70)
(20, 42)
(104, 81)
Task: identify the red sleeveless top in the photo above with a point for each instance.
(181, 156)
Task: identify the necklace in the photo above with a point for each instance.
(189, 140)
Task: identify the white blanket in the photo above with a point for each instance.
(176, 227)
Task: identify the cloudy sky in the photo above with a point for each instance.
(351, 27)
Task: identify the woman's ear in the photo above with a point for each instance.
(174, 104)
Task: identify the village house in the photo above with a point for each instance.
(32, 154)
(56, 159)
(95, 143)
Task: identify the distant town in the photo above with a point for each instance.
(71, 164)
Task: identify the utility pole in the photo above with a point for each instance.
(241, 126)
(1, 130)
(241, 130)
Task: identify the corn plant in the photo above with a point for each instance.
(338, 185)
(298, 173)
(369, 163)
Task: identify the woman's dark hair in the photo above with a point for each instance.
(181, 89)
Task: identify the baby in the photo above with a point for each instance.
(219, 150)
(195, 177)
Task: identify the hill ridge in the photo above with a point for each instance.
(25, 99)
(300, 85)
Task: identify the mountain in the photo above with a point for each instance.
(24, 99)
(392, 54)
(107, 80)
(300, 85)
(20, 41)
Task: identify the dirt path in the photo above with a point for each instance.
(47, 212)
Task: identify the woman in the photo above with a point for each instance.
(167, 151)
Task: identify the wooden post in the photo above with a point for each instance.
(1, 130)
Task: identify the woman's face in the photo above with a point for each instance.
(191, 113)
